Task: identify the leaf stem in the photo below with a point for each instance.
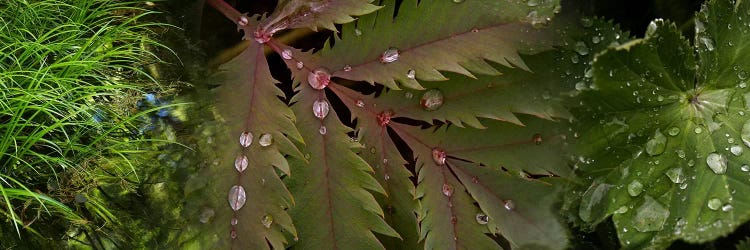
(225, 9)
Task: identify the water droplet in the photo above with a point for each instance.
(537, 139)
(458, 1)
(206, 215)
(438, 155)
(322, 130)
(265, 140)
(240, 163)
(360, 103)
(234, 221)
(267, 220)
(708, 43)
(621, 210)
(745, 134)
(676, 175)
(233, 234)
(635, 188)
(237, 197)
(657, 143)
(384, 118)
(581, 86)
(432, 99)
(408, 95)
(736, 150)
(745, 168)
(532, 3)
(482, 219)
(246, 138)
(447, 190)
(321, 108)
(286, 54)
(242, 21)
(717, 163)
(581, 48)
(698, 130)
(390, 55)
(300, 65)
(411, 74)
(357, 32)
(347, 68)
(650, 216)
(674, 131)
(714, 204)
(454, 220)
(387, 177)
(509, 205)
(586, 22)
(727, 208)
(319, 78)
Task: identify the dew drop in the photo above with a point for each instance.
(300, 65)
(482, 219)
(286, 54)
(265, 140)
(384, 118)
(621, 210)
(745, 134)
(447, 190)
(246, 138)
(717, 163)
(240, 163)
(390, 55)
(234, 221)
(411, 74)
(438, 155)
(581, 48)
(676, 175)
(267, 220)
(727, 208)
(357, 32)
(386, 177)
(509, 205)
(674, 131)
(714, 204)
(708, 43)
(454, 220)
(322, 130)
(206, 215)
(745, 168)
(319, 78)
(650, 216)
(237, 197)
(432, 99)
(657, 143)
(242, 21)
(408, 95)
(321, 108)
(233, 234)
(360, 103)
(736, 150)
(532, 3)
(698, 130)
(537, 139)
(635, 188)
(458, 1)
(347, 68)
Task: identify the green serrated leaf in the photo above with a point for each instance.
(665, 149)
(426, 37)
(316, 13)
(334, 208)
(247, 93)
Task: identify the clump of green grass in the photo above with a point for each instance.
(64, 131)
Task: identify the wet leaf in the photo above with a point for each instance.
(663, 147)
(316, 13)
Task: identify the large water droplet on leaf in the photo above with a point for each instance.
(657, 143)
(591, 199)
(390, 55)
(650, 216)
(438, 155)
(447, 190)
(265, 140)
(581, 48)
(745, 168)
(676, 175)
(237, 197)
(717, 163)
(240, 163)
(432, 99)
(286, 54)
(267, 220)
(714, 204)
(736, 150)
(319, 78)
(246, 138)
(322, 130)
(745, 134)
(482, 219)
(635, 188)
(674, 131)
(321, 109)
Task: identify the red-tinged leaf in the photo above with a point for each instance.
(247, 102)
(399, 202)
(436, 35)
(316, 13)
(334, 208)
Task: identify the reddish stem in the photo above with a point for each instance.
(225, 9)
